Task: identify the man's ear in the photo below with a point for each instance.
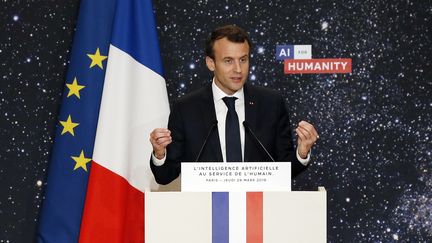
(210, 63)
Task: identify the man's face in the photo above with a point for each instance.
(230, 64)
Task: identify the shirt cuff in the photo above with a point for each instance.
(304, 162)
(159, 162)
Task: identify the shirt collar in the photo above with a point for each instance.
(218, 94)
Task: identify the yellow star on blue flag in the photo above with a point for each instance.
(97, 59)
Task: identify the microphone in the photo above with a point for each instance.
(246, 125)
(206, 139)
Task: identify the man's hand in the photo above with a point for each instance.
(160, 138)
(306, 138)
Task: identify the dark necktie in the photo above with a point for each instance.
(232, 132)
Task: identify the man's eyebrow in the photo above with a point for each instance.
(233, 57)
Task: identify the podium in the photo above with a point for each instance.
(295, 216)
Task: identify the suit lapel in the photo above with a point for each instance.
(209, 117)
(251, 117)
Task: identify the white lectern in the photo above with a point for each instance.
(296, 216)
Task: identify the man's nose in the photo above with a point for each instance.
(237, 67)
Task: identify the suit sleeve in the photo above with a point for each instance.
(170, 170)
(284, 140)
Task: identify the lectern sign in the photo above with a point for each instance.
(227, 177)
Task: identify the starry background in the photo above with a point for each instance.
(374, 153)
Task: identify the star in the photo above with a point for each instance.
(81, 161)
(74, 88)
(97, 59)
(68, 126)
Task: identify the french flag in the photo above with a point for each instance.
(117, 96)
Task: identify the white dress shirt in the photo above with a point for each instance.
(221, 112)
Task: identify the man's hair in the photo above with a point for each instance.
(231, 32)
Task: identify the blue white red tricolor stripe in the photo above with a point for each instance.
(237, 217)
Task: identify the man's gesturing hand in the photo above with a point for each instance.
(160, 138)
(306, 138)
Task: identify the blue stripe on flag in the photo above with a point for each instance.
(142, 33)
(220, 217)
(60, 218)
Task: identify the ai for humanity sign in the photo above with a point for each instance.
(298, 60)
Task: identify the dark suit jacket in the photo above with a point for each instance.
(193, 116)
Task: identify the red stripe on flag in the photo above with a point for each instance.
(114, 210)
(254, 217)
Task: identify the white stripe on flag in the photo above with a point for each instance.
(134, 103)
(237, 217)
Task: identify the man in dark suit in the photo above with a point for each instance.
(228, 113)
